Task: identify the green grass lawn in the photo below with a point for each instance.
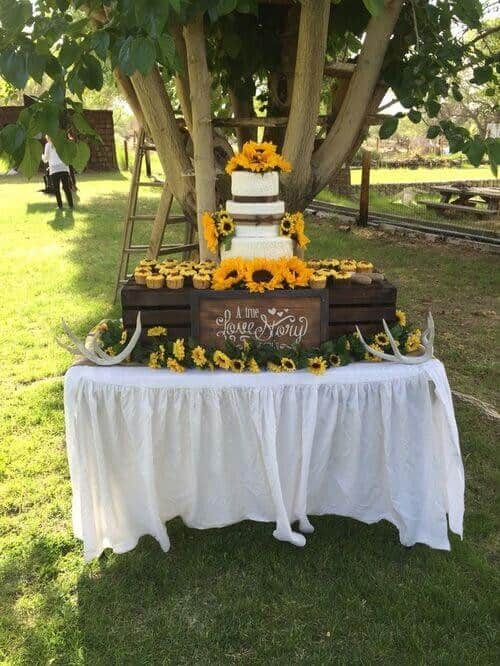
(353, 595)
(424, 175)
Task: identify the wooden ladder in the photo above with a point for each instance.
(160, 219)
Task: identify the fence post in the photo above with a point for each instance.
(125, 153)
(364, 198)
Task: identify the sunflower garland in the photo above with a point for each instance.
(158, 351)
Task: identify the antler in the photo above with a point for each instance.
(427, 340)
(95, 353)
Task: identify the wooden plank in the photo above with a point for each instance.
(364, 196)
(283, 319)
(361, 313)
(455, 207)
(358, 294)
(370, 328)
(138, 296)
(158, 317)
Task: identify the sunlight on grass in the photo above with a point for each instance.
(234, 594)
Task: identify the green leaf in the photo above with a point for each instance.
(475, 151)
(82, 125)
(457, 95)
(415, 116)
(90, 72)
(432, 107)
(167, 48)
(388, 127)
(66, 149)
(482, 74)
(57, 91)
(12, 138)
(226, 6)
(143, 54)
(433, 131)
(14, 67)
(374, 6)
(36, 66)
(100, 43)
(493, 150)
(69, 53)
(32, 156)
(82, 156)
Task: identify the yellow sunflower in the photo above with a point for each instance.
(199, 357)
(334, 360)
(401, 317)
(317, 365)
(210, 231)
(237, 365)
(174, 365)
(221, 360)
(226, 226)
(252, 365)
(156, 331)
(413, 341)
(287, 225)
(288, 365)
(229, 273)
(295, 272)
(154, 360)
(178, 349)
(274, 367)
(300, 237)
(123, 338)
(262, 274)
(381, 339)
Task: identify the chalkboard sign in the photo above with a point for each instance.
(280, 318)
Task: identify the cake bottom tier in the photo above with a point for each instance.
(250, 248)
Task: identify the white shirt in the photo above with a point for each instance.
(55, 163)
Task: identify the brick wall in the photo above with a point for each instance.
(102, 155)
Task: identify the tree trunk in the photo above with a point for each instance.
(301, 128)
(242, 105)
(181, 78)
(204, 162)
(161, 122)
(340, 139)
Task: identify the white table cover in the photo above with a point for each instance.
(370, 441)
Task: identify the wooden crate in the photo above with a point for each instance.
(348, 304)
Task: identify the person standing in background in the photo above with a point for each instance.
(59, 173)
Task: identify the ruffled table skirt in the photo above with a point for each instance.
(370, 441)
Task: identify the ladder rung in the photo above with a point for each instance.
(154, 183)
(177, 248)
(174, 247)
(148, 147)
(172, 219)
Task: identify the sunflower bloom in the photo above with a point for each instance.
(237, 365)
(262, 275)
(210, 232)
(228, 274)
(253, 366)
(317, 365)
(178, 349)
(221, 360)
(174, 365)
(371, 357)
(199, 357)
(274, 367)
(295, 272)
(401, 317)
(381, 339)
(156, 331)
(334, 360)
(288, 365)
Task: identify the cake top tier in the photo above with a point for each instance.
(258, 158)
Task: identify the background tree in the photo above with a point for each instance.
(278, 51)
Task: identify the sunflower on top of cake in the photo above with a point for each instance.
(254, 223)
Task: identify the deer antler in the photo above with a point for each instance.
(427, 340)
(95, 353)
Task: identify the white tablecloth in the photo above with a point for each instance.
(370, 441)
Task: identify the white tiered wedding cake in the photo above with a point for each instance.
(257, 211)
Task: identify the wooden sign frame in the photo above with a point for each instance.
(281, 301)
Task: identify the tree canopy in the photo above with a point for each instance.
(284, 53)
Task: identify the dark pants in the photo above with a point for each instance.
(64, 178)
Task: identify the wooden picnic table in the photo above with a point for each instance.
(480, 201)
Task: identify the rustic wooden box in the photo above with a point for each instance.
(348, 304)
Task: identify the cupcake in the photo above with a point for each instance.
(175, 281)
(147, 263)
(155, 281)
(348, 265)
(341, 275)
(330, 263)
(140, 276)
(314, 264)
(201, 281)
(364, 267)
(317, 281)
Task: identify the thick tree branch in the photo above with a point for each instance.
(204, 162)
(301, 129)
(160, 119)
(125, 85)
(340, 139)
(485, 33)
(181, 78)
